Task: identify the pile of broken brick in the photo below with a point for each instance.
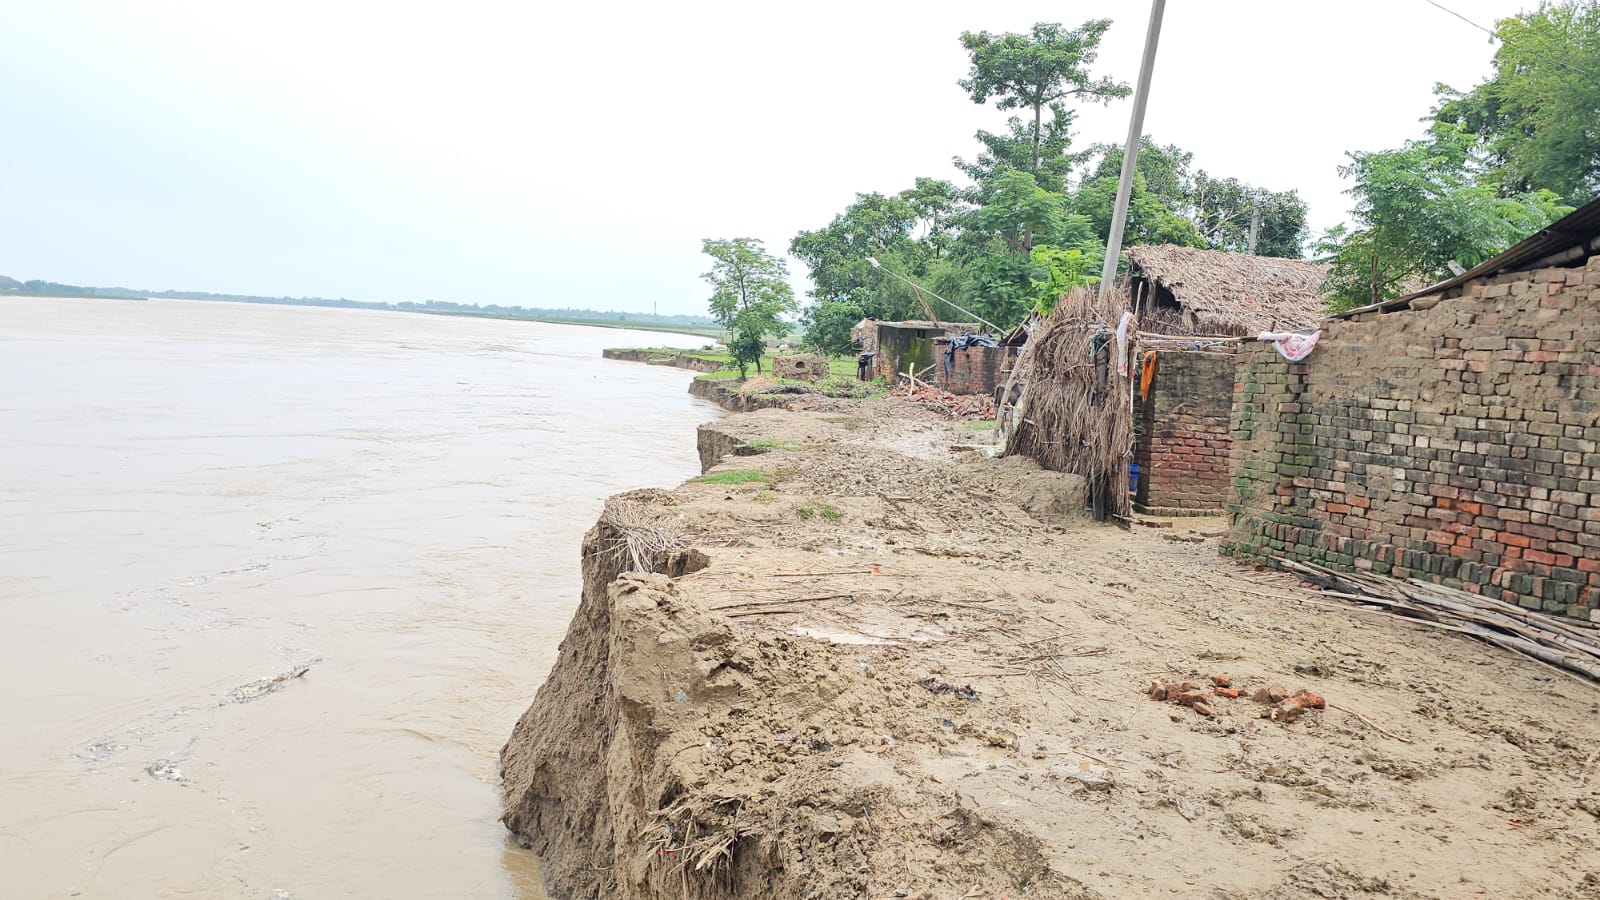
(951, 406)
(1277, 703)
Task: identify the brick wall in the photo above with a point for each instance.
(975, 370)
(1184, 439)
(1458, 443)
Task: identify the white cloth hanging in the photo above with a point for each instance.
(1291, 345)
(1122, 343)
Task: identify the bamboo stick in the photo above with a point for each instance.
(1493, 621)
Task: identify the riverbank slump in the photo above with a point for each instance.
(859, 658)
(665, 358)
(673, 752)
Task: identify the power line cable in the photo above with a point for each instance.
(1495, 36)
(1490, 32)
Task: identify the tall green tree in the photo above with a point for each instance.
(750, 295)
(1016, 210)
(1421, 207)
(1015, 243)
(1173, 204)
(1222, 210)
(1538, 115)
(1162, 184)
(1041, 70)
(913, 233)
(875, 225)
(937, 204)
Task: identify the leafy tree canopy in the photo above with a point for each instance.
(1166, 169)
(1222, 210)
(750, 295)
(1151, 220)
(1034, 72)
(1420, 207)
(1016, 210)
(1024, 231)
(1538, 116)
(1172, 204)
(1064, 270)
(937, 204)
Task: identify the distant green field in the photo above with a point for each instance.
(696, 330)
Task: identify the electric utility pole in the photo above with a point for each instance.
(1255, 225)
(1130, 152)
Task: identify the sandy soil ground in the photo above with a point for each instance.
(909, 671)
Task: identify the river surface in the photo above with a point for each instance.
(197, 498)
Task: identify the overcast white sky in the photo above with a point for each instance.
(575, 153)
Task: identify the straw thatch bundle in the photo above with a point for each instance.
(1075, 413)
(1229, 293)
(643, 535)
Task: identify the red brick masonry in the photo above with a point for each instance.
(1184, 439)
(1457, 442)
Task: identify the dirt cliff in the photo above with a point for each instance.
(665, 358)
(866, 661)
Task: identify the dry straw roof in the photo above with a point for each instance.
(1235, 293)
(924, 325)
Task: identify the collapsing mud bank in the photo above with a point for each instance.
(672, 753)
(861, 660)
(665, 358)
(726, 394)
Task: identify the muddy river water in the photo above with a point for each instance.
(197, 499)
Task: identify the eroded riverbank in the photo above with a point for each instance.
(199, 498)
(858, 664)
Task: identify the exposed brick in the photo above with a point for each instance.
(1458, 441)
(1184, 432)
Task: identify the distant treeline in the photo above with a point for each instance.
(38, 288)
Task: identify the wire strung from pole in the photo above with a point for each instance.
(1490, 32)
(1495, 36)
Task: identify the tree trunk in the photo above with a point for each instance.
(1037, 112)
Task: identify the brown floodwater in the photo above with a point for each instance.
(198, 498)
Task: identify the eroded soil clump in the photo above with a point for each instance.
(867, 670)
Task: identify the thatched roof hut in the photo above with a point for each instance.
(1188, 290)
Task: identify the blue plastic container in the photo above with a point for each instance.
(1133, 478)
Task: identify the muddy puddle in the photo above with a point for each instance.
(275, 583)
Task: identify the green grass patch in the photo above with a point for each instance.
(825, 510)
(719, 375)
(842, 366)
(981, 425)
(736, 476)
(849, 387)
(766, 496)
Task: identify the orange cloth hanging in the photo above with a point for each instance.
(1147, 374)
